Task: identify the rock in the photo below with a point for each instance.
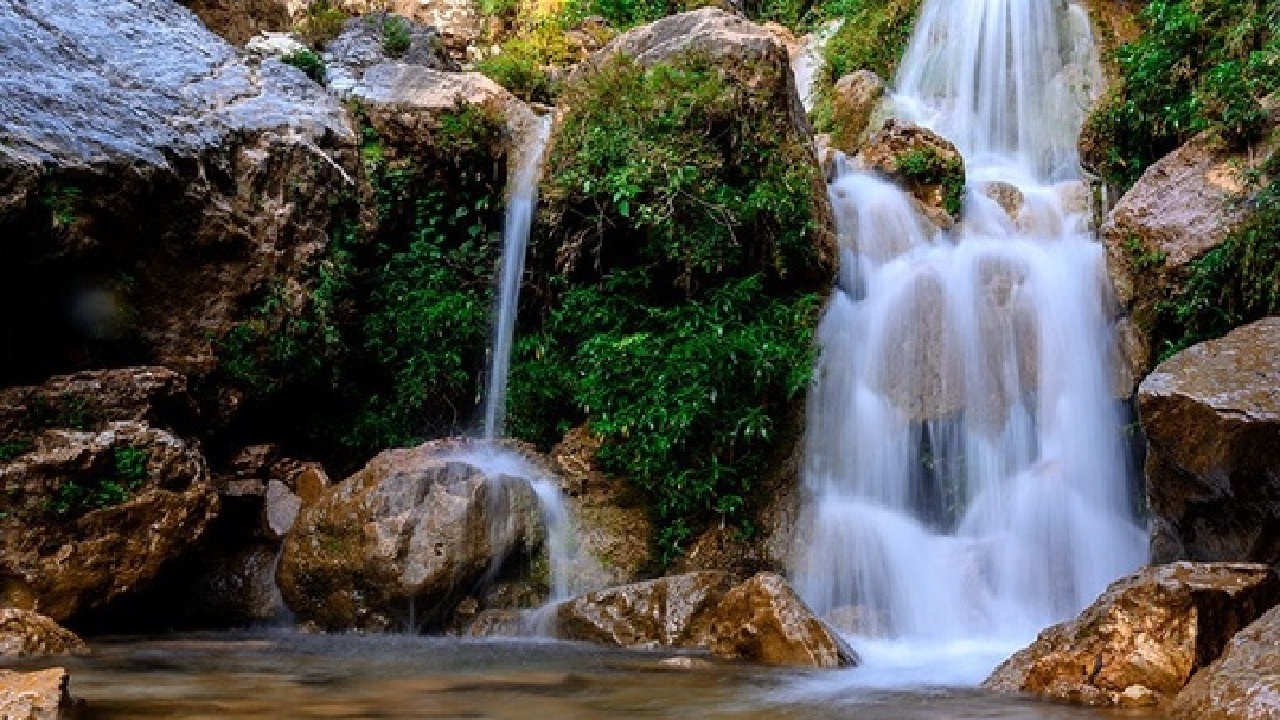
(498, 623)
(458, 24)
(281, 506)
(360, 47)
(760, 620)
(101, 514)
(1211, 415)
(91, 399)
(1242, 684)
(763, 620)
(152, 192)
(27, 634)
(854, 100)
(933, 174)
(1006, 195)
(1144, 637)
(422, 525)
(1184, 205)
(274, 44)
(42, 695)
(670, 612)
(239, 20)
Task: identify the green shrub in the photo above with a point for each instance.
(308, 62)
(321, 22)
(874, 36)
(104, 490)
(684, 273)
(926, 166)
(395, 36)
(1199, 65)
(13, 449)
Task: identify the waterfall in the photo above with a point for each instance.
(522, 201)
(965, 454)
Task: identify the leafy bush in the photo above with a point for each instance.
(1199, 65)
(874, 36)
(522, 63)
(308, 62)
(321, 22)
(395, 36)
(928, 167)
(678, 239)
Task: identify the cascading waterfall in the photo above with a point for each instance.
(965, 452)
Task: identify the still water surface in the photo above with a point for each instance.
(290, 675)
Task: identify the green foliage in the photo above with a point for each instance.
(308, 62)
(1235, 283)
(395, 36)
(1199, 65)
(105, 489)
(874, 36)
(62, 202)
(321, 22)
(1143, 259)
(679, 315)
(13, 449)
(928, 167)
(524, 63)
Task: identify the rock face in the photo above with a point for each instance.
(1243, 684)
(1212, 419)
(101, 513)
(1144, 638)
(761, 620)
(420, 526)
(1183, 206)
(928, 165)
(151, 191)
(854, 100)
(239, 20)
(28, 634)
(42, 695)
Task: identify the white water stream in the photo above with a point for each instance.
(965, 451)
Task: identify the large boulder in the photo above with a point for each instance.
(1183, 206)
(154, 186)
(854, 100)
(98, 515)
(1212, 419)
(414, 531)
(41, 695)
(1243, 684)
(86, 400)
(27, 634)
(761, 620)
(1144, 638)
(926, 164)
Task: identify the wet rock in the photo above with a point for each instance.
(1211, 415)
(763, 620)
(760, 620)
(239, 20)
(926, 164)
(674, 611)
(1006, 195)
(498, 623)
(153, 191)
(420, 525)
(854, 100)
(1243, 684)
(27, 634)
(1144, 637)
(99, 515)
(42, 695)
(1183, 206)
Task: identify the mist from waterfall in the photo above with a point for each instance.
(965, 449)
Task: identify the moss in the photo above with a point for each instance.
(103, 489)
(874, 36)
(679, 270)
(926, 166)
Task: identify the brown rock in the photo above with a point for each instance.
(1212, 420)
(1007, 195)
(1243, 684)
(26, 634)
(1183, 206)
(91, 399)
(897, 140)
(239, 20)
(67, 557)
(854, 100)
(42, 695)
(671, 612)
(414, 526)
(1144, 638)
(763, 620)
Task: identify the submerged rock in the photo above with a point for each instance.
(27, 634)
(100, 515)
(1243, 684)
(412, 532)
(42, 695)
(1144, 638)
(760, 620)
(1212, 420)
